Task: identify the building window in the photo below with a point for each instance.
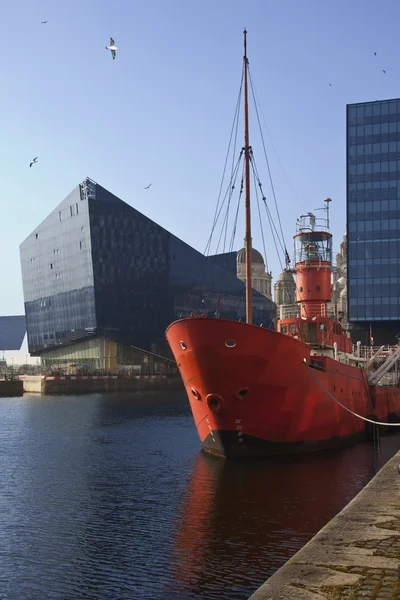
(59, 214)
(80, 245)
(70, 210)
(51, 265)
(77, 209)
(37, 235)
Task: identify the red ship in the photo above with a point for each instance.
(258, 392)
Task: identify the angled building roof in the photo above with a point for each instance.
(12, 332)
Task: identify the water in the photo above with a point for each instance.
(109, 497)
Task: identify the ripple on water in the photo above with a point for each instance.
(108, 496)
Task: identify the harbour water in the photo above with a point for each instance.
(110, 497)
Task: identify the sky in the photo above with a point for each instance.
(162, 112)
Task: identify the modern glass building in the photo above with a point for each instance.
(373, 218)
(100, 278)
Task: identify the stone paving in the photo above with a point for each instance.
(356, 556)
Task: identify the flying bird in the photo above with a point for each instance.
(147, 187)
(330, 85)
(113, 48)
(383, 71)
(43, 22)
(34, 161)
(375, 53)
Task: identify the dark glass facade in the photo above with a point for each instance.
(12, 332)
(373, 213)
(96, 266)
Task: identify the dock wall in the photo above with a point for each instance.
(92, 384)
(11, 387)
(356, 555)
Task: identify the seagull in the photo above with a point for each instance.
(34, 161)
(375, 53)
(330, 85)
(43, 22)
(147, 187)
(383, 71)
(112, 47)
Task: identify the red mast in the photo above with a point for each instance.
(247, 239)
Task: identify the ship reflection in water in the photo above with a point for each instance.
(240, 521)
(108, 496)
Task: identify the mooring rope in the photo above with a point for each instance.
(345, 407)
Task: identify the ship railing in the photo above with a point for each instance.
(372, 353)
(288, 312)
(390, 361)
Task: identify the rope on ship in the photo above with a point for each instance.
(345, 407)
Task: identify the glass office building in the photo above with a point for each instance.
(373, 217)
(97, 268)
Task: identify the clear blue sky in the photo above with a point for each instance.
(162, 111)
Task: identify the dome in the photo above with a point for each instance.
(341, 282)
(285, 276)
(256, 257)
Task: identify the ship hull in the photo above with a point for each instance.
(254, 392)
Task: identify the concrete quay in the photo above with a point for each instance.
(355, 556)
(97, 384)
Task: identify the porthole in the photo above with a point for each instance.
(214, 402)
(195, 393)
(230, 343)
(240, 394)
(183, 345)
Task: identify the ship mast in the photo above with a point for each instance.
(247, 239)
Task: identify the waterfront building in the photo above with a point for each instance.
(261, 278)
(102, 282)
(12, 332)
(373, 219)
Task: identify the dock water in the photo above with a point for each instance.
(356, 555)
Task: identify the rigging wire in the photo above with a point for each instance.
(233, 154)
(234, 128)
(266, 158)
(254, 91)
(275, 235)
(230, 190)
(261, 226)
(237, 212)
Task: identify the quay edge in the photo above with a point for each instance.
(357, 553)
(89, 385)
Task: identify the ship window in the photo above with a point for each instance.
(230, 343)
(300, 289)
(292, 328)
(183, 345)
(318, 288)
(283, 329)
(322, 326)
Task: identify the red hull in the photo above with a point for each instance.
(260, 398)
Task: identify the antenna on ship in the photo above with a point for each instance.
(247, 149)
(327, 200)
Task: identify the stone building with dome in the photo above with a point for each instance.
(285, 295)
(261, 279)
